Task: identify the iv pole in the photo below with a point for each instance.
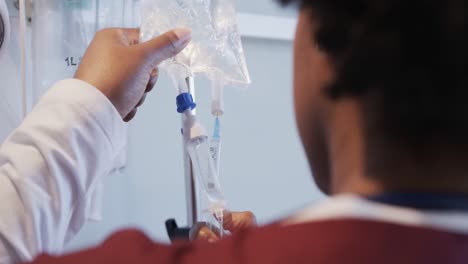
(173, 230)
(191, 195)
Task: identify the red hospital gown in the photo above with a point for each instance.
(326, 242)
(340, 230)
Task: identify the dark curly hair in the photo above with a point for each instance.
(406, 60)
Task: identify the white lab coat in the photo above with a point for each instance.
(50, 167)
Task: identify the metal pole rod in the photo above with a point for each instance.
(190, 184)
(24, 88)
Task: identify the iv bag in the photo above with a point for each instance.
(215, 50)
(61, 30)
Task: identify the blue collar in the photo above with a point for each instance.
(424, 201)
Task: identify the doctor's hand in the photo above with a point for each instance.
(232, 222)
(123, 69)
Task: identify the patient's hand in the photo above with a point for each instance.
(233, 222)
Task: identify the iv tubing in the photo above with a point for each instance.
(215, 145)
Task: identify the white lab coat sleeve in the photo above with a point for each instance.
(50, 165)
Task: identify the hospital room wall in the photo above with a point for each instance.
(265, 7)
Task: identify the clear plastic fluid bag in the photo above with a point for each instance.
(61, 30)
(210, 197)
(215, 50)
(198, 149)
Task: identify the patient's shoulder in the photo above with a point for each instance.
(352, 241)
(325, 242)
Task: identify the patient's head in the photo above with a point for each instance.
(381, 99)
